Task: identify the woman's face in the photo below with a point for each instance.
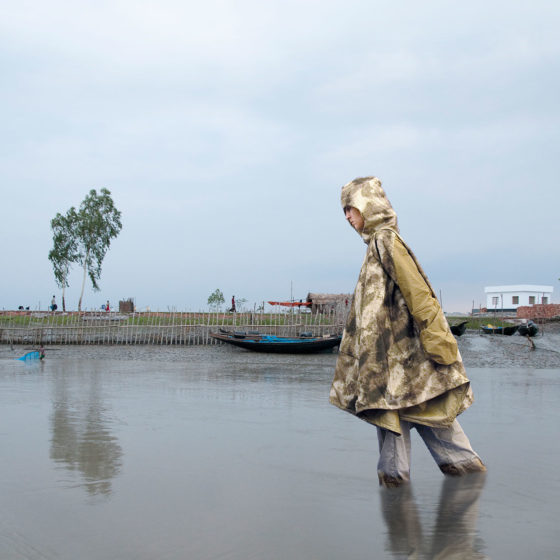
(354, 217)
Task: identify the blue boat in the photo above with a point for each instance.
(303, 344)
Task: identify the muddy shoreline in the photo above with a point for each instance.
(478, 350)
(498, 351)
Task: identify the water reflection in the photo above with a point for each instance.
(81, 437)
(454, 531)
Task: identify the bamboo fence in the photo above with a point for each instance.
(157, 328)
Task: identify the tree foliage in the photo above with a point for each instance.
(64, 251)
(97, 224)
(83, 237)
(216, 299)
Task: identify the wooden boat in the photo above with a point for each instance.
(279, 344)
(459, 329)
(530, 329)
(508, 331)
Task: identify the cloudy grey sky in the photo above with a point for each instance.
(224, 130)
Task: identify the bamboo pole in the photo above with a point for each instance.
(159, 330)
(181, 330)
(137, 329)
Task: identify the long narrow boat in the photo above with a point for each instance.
(279, 344)
(508, 331)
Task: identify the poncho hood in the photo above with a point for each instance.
(367, 195)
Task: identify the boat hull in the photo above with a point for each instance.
(279, 345)
(507, 331)
(528, 330)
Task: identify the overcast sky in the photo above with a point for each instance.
(225, 129)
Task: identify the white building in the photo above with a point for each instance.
(509, 298)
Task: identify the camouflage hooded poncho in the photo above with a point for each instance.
(398, 358)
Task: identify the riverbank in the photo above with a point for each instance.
(498, 351)
(156, 328)
(478, 350)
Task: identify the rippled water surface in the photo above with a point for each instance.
(219, 453)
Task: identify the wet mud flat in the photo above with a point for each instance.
(477, 350)
(499, 351)
(217, 452)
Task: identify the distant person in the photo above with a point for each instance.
(54, 307)
(232, 304)
(107, 307)
(41, 353)
(398, 365)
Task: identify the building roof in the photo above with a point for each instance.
(519, 288)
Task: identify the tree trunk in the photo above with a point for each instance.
(83, 286)
(63, 290)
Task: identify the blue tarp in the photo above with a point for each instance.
(30, 356)
(272, 338)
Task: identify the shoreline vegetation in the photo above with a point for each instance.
(179, 328)
(156, 327)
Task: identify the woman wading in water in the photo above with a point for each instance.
(399, 366)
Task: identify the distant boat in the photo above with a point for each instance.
(303, 344)
(530, 329)
(459, 329)
(508, 331)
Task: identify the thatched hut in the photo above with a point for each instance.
(126, 305)
(328, 303)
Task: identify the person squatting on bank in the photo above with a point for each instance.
(399, 366)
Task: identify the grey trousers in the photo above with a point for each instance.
(448, 446)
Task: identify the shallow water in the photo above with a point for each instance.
(207, 453)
